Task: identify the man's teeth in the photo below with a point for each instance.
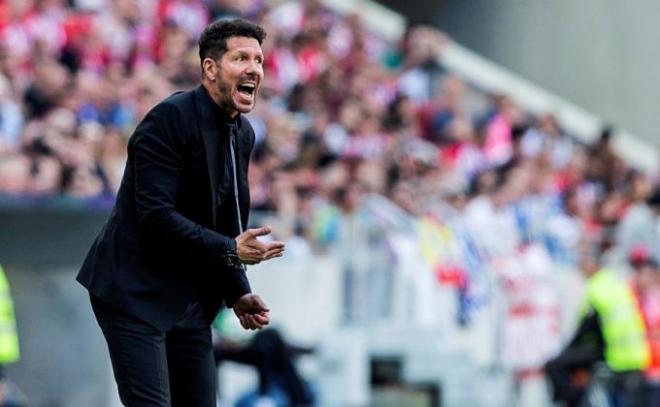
(246, 88)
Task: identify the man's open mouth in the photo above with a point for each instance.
(246, 88)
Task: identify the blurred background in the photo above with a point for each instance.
(448, 177)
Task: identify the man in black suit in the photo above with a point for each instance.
(174, 247)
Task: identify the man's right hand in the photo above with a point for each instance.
(252, 312)
(251, 250)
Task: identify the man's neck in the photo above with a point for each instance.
(231, 114)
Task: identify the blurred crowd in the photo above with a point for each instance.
(343, 115)
(342, 112)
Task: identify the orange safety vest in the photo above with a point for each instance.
(652, 324)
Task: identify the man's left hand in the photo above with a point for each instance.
(252, 312)
(251, 250)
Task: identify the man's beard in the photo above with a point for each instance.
(226, 100)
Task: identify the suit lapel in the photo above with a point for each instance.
(242, 145)
(209, 130)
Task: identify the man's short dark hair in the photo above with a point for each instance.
(213, 41)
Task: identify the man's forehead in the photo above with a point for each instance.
(243, 44)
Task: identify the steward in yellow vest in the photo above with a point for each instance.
(612, 330)
(9, 350)
(622, 325)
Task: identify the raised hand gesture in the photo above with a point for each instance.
(251, 250)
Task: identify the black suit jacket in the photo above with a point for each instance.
(159, 251)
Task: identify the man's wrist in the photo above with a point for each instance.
(231, 255)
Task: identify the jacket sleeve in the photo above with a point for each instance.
(158, 147)
(237, 285)
(589, 331)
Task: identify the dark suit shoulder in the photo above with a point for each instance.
(166, 110)
(179, 103)
(180, 98)
(173, 110)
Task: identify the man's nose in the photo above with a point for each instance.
(254, 68)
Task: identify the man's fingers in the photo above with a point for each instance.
(254, 313)
(259, 231)
(262, 319)
(272, 249)
(257, 321)
(273, 252)
(243, 322)
(246, 323)
(265, 314)
(270, 256)
(256, 249)
(273, 255)
(252, 322)
(274, 245)
(252, 250)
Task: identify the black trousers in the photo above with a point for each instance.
(159, 368)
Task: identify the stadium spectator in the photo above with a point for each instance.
(343, 114)
(646, 286)
(611, 329)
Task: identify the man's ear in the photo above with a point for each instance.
(210, 68)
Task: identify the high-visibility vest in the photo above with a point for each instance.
(622, 325)
(9, 349)
(652, 325)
